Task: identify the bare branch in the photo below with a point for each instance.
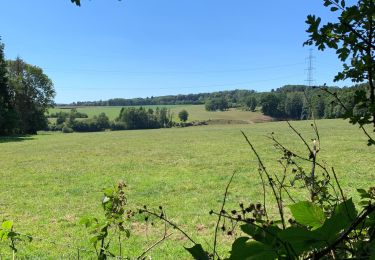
(300, 136)
(165, 236)
(270, 181)
(162, 217)
(219, 218)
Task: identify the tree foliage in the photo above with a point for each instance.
(302, 102)
(218, 103)
(251, 102)
(140, 118)
(234, 98)
(26, 93)
(7, 112)
(353, 39)
(32, 94)
(183, 115)
(95, 124)
(77, 2)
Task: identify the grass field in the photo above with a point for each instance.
(196, 113)
(51, 180)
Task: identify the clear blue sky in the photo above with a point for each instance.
(137, 48)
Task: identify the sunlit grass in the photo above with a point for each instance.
(51, 180)
(196, 113)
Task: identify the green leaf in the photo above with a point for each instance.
(266, 235)
(307, 213)
(8, 224)
(3, 235)
(197, 252)
(301, 239)
(361, 191)
(348, 208)
(341, 219)
(87, 221)
(108, 192)
(327, 3)
(253, 250)
(94, 239)
(77, 2)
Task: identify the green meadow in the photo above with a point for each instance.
(51, 180)
(196, 113)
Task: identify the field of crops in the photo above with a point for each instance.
(51, 180)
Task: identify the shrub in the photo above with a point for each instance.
(55, 127)
(214, 104)
(67, 130)
(95, 124)
(115, 126)
(140, 118)
(183, 115)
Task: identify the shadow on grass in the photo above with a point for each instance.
(15, 138)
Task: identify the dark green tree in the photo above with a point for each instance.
(102, 121)
(217, 103)
(270, 103)
(33, 94)
(140, 118)
(163, 117)
(293, 105)
(251, 102)
(183, 115)
(7, 115)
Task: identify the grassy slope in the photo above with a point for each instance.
(53, 179)
(196, 112)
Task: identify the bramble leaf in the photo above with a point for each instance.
(301, 239)
(197, 252)
(308, 214)
(341, 219)
(8, 224)
(267, 235)
(242, 249)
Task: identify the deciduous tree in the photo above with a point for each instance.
(33, 94)
(7, 113)
(353, 38)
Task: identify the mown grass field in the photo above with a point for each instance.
(196, 113)
(51, 180)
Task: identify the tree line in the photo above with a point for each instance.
(300, 102)
(232, 96)
(288, 102)
(130, 118)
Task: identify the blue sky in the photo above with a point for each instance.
(137, 48)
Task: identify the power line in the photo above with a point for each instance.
(95, 70)
(190, 87)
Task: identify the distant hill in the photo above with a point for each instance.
(233, 96)
(288, 102)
